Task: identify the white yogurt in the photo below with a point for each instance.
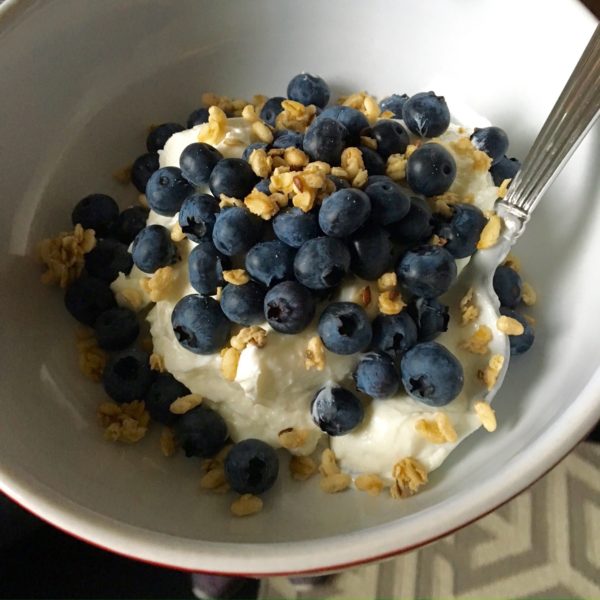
(273, 391)
(237, 129)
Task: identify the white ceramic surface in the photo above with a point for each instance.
(81, 80)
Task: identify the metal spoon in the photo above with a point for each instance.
(574, 113)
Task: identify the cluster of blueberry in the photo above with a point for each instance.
(127, 375)
(296, 263)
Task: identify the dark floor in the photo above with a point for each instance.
(45, 563)
(38, 561)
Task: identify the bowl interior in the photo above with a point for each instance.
(81, 84)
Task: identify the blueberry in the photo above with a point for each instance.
(426, 114)
(116, 328)
(321, 263)
(394, 334)
(353, 120)
(344, 212)
(248, 150)
(289, 307)
(491, 140)
(201, 432)
(431, 374)
(163, 391)
(394, 104)
(344, 328)
(293, 226)
(374, 164)
(271, 108)
(308, 89)
(390, 136)
(336, 410)
(370, 251)
(463, 231)
(236, 230)
(431, 317)
(289, 139)
(263, 186)
(153, 249)
(197, 162)
(142, 169)
(430, 170)
(427, 271)
(325, 140)
(108, 259)
(127, 375)
(505, 168)
(205, 268)
(197, 117)
(166, 190)
(340, 184)
(200, 325)
(197, 216)
(415, 226)
(508, 286)
(389, 202)
(87, 298)
(519, 344)
(251, 467)
(271, 262)
(130, 222)
(244, 304)
(233, 177)
(376, 375)
(158, 137)
(96, 211)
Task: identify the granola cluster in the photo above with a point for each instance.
(489, 375)
(158, 286)
(478, 342)
(332, 479)
(92, 359)
(295, 116)
(409, 475)
(126, 422)
(214, 473)
(63, 256)
(315, 354)
(365, 103)
(215, 130)
(438, 430)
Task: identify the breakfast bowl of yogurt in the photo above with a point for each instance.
(249, 351)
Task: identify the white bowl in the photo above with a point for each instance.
(80, 83)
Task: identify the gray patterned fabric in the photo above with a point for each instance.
(543, 544)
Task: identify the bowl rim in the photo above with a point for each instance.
(309, 556)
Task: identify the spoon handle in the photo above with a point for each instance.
(573, 115)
